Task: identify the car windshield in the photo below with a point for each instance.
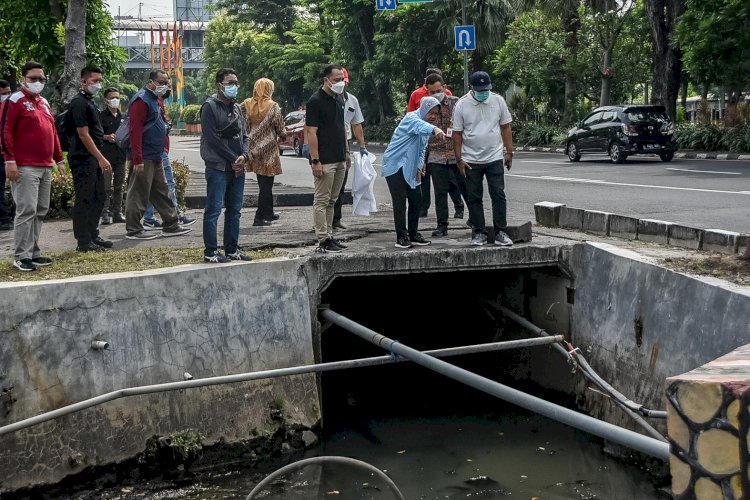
(646, 115)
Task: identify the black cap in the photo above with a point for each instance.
(480, 81)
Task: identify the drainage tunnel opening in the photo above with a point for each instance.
(438, 438)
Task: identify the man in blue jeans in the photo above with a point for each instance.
(224, 149)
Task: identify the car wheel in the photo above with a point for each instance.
(666, 157)
(615, 153)
(298, 148)
(573, 154)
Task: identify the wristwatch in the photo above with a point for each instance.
(509, 153)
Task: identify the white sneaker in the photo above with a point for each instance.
(502, 239)
(479, 239)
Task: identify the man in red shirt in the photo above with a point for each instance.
(417, 95)
(30, 147)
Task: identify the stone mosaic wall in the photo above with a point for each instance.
(708, 422)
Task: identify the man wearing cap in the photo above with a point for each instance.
(483, 143)
(353, 121)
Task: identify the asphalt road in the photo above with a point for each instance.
(702, 193)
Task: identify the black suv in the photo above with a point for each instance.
(621, 131)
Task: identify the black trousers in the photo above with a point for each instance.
(88, 183)
(475, 176)
(447, 180)
(400, 193)
(456, 190)
(265, 197)
(4, 210)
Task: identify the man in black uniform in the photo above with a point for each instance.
(113, 182)
(87, 163)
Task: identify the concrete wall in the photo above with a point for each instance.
(638, 323)
(205, 320)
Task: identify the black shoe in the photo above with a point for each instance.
(338, 225)
(328, 246)
(338, 243)
(238, 255)
(41, 261)
(91, 247)
(216, 258)
(459, 213)
(175, 231)
(275, 216)
(6, 226)
(118, 218)
(417, 239)
(403, 242)
(102, 242)
(106, 219)
(262, 222)
(24, 265)
(422, 214)
(440, 231)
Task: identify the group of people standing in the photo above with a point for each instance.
(458, 143)
(455, 142)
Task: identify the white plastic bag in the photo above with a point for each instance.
(363, 183)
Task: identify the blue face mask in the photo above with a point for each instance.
(481, 96)
(230, 92)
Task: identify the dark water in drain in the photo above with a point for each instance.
(510, 456)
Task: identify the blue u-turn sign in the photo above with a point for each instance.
(385, 4)
(465, 38)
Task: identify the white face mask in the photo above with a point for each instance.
(439, 96)
(160, 90)
(4, 97)
(94, 88)
(113, 103)
(338, 87)
(35, 87)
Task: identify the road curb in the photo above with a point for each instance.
(688, 155)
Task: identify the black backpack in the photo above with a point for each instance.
(63, 134)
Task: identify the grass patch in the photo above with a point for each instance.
(73, 264)
(734, 268)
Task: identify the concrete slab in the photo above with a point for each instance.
(718, 240)
(624, 227)
(685, 237)
(654, 231)
(742, 244)
(571, 218)
(548, 213)
(596, 222)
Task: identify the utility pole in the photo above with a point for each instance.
(466, 53)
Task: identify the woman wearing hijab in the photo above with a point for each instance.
(265, 127)
(403, 169)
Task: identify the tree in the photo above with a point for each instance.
(715, 42)
(39, 30)
(663, 16)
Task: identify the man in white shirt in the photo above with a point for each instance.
(353, 121)
(483, 143)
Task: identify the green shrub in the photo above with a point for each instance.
(181, 178)
(192, 113)
(382, 132)
(713, 137)
(537, 134)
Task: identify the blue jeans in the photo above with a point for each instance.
(169, 174)
(223, 188)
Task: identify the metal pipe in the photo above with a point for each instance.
(645, 444)
(322, 460)
(189, 383)
(628, 405)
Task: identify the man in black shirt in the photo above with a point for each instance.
(87, 163)
(326, 136)
(113, 182)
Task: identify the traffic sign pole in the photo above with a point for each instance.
(466, 54)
